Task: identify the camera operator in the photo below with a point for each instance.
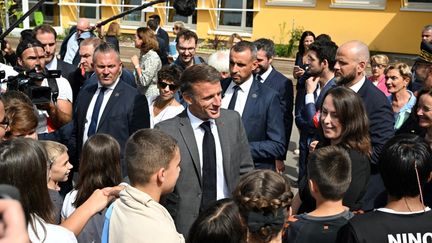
(57, 112)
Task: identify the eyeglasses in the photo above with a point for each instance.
(163, 85)
(4, 123)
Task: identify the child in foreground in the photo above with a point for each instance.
(153, 166)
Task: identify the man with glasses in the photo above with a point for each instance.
(70, 46)
(186, 47)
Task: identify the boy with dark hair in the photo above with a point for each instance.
(153, 164)
(405, 165)
(329, 172)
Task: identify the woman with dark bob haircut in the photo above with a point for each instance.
(263, 197)
(405, 165)
(24, 164)
(219, 223)
(344, 123)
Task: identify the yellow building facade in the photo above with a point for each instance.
(384, 25)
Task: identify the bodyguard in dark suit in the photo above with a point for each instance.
(259, 107)
(47, 35)
(351, 61)
(270, 77)
(110, 106)
(213, 146)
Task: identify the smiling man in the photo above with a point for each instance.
(187, 42)
(213, 147)
(109, 106)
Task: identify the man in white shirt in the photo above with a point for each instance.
(213, 146)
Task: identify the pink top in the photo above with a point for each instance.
(381, 84)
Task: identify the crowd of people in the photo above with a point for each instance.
(180, 150)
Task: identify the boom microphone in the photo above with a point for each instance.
(184, 7)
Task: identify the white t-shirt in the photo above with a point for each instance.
(68, 207)
(51, 234)
(65, 93)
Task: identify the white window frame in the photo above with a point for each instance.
(418, 7)
(95, 5)
(243, 10)
(130, 22)
(293, 3)
(359, 4)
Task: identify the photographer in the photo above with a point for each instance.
(57, 112)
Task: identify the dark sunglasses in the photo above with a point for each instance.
(163, 85)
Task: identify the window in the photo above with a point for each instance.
(359, 4)
(300, 3)
(417, 5)
(173, 17)
(238, 14)
(135, 17)
(50, 10)
(88, 11)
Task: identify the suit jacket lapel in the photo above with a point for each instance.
(251, 100)
(114, 98)
(189, 138)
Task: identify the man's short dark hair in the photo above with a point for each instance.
(104, 47)
(400, 157)
(196, 74)
(147, 151)
(245, 45)
(152, 24)
(325, 50)
(187, 35)
(45, 28)
(27, 43)
(156, 18)
(330, 168)
(266, 45)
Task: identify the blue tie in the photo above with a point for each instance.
(95, 114)
(233, 100)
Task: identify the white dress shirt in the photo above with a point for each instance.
(52, 65)
(265, 75)
(242, 95)
(106, 98)
(357, 86)
(221, 186)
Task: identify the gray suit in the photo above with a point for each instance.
(184, 202)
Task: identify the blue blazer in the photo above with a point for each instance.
(126, 112)
(284, 86)
(380, 114)
(263, 121)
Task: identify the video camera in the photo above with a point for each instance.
(25, 82)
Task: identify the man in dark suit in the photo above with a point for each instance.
(47, 36)
(163, 46)
(161, 33)
(109, 106)
(351, 61)
(259, 106)
(213, 146)
(268, 75)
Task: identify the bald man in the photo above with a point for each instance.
(69, 51)
(351, 62)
